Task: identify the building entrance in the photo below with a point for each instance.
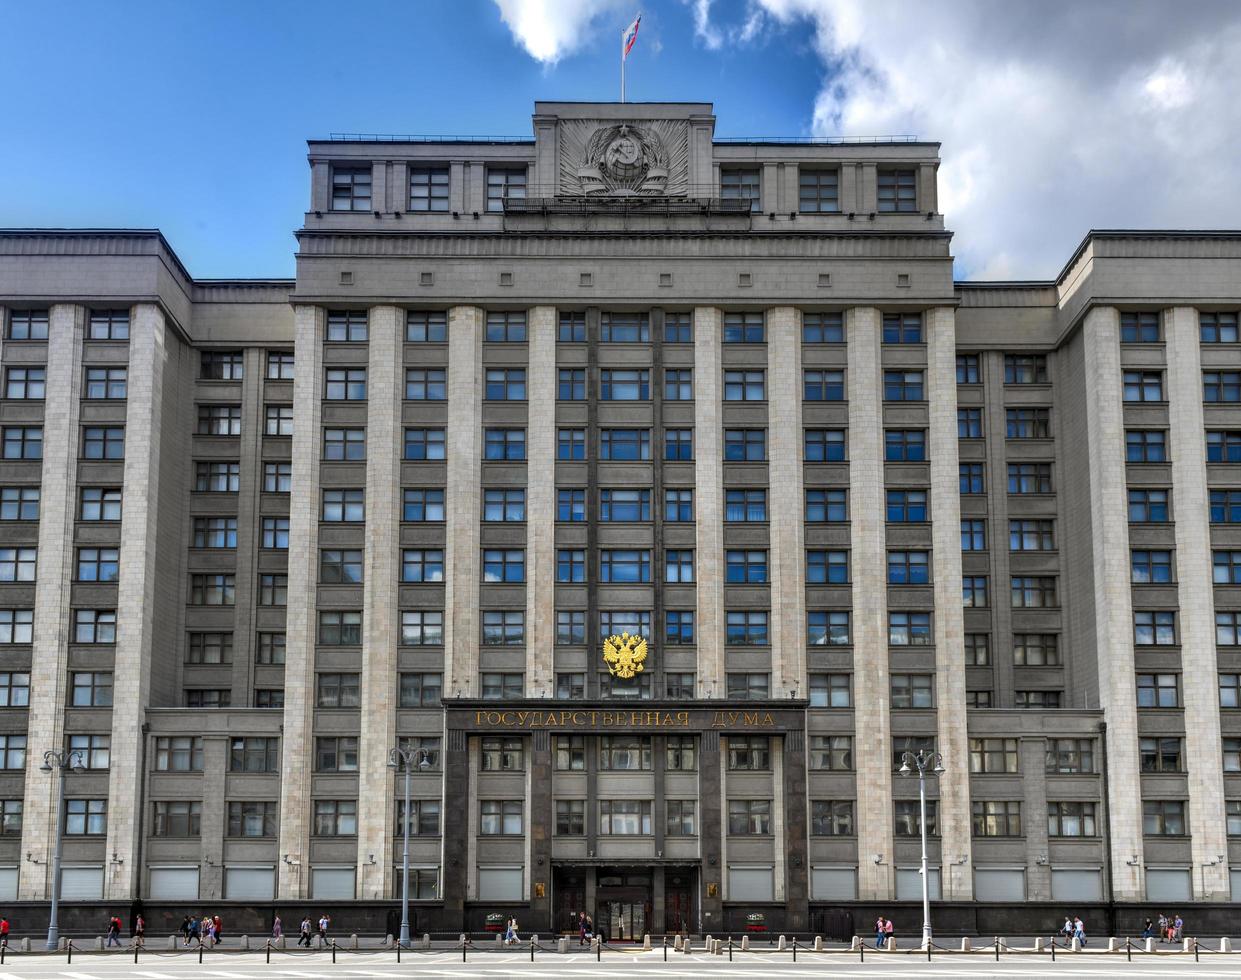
(623, 899)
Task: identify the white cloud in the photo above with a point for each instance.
(1056, 116)
(551, 29)
(704, 30)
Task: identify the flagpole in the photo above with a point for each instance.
(622, 66)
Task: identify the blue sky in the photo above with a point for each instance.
(1056, 116)
(192, 117)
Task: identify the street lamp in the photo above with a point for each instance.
(923, 762)
(398, 759)
(62, 761)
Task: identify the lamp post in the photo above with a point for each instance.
(934, 763)
(52, 762)
(398, 759)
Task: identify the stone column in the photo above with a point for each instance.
(1196, 595)
(297, 745)
(216, 750)
(1033, 762)
(868, 561)
(541, 503)
(711, 832)
(53, 618)
(709, 500)
(464, 453)
(136, 584)
(381, 622)
(795, 849)
(954, 785)
(1113, 598)
(786, 503)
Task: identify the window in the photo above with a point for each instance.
(570, 627)
(279, 365)
(678, 385)
(26, 383)
(213, 477)
(422, 627)
(18, 564)
(428, 189)
(12, 751)
(1145, 386)
(1027, 423)
(678, 328)
(1217, 386)
(624, 328)
(633, 621)
(94, 564)
(748, 567)
(680, 818)
(212, 590)
(898, 190)
(503, 686)
(336, 818)
(504, 627)
(626, 565)
(679, 444)
(14, 689)
(338, 691)
(1148, 567)
(347, 506)
(624, 386)
(500, 817)
(1225, 507)
(339, 566)
(824, 628)
(424, 821)
(909, 819)
(1226, 567)
(1231, 752)
(1151, 506)
(822, 506)
(1025, 369)
(1031, 535)
(1036, 649)
(260, 754)
(278, 420)
(22, 504)
(347, 326)
(209, 648)
(208, 697)
(179, 753)
(92, 625)
(98, 442)
(504, 444)
(989, 755)
(913, 691)
(746, 628)
(969, 423)
(967, 369)
(339, 627)
(570, 818)
(251, 818)
(351, 188)
(745, 445)
(831, 753)
(830, 691)
(570, 444)
(571, 686)
(506, 384)
(974, 591)
(624, 505)
(827, 567)
(909, 567)
(349, 384)
(904, 445)
(749, 818)
(420, 690)
(424, 444)
(973, 534)
(425, 384)
(818, 191)
(570, 505)
(1027, 478)
(506, 327)
(751, 686)
(572, 328)
(1232, 811)
(997, 818)
(1159, 691)
(971, 478)
(679, 505)
(424, 505)
(423, 565)
(1070, 755)
(1150, 446)
(108, 325)
(571, 386)
(422, 327)
(744, 328)
(679, 627)
(176, 818)
(273, 590)
(624, 817)
(1163, 818)
(220, 365)
(502, 753)
(270, 649)
(749, 753)
(504, 183)
(1033, 591)
(95, 751)
(745, 386)
(86, 817)
(902, 328)
(1139, 328)
(277, 477)
(907, 507)
(1213, 328)
(1163, 754)
(276, 533)
(499, 565)
(27, 325)
(823, 386)
(219, 420)
(910, 629)
(742, 185)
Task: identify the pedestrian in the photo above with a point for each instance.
(114, 931)
(879, 932)
(1178, 927)
(1079, 930)
(1148, 930)
(1163, 928)
(1067, 929)
(581, 928)
(209, 930)
(140, 932)
(276, 930)
(889, 932)
(304, 938)
(590, 927)
(185, 930)
(218, 928)
(193, 932)
(4, 932)
(324, 922)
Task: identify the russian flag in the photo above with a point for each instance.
(630, 36)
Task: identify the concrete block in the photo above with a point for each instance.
(1040, 944)
(818, 943)
(25, 943)
(856, 943)
(1077, 945)
(1150, 944)
(244, 941)
(172, 942)
(1188, 945)
(353, 941)
(499, 939)
(562, 944)
(781, 943)
(745, 943)
(1225, 945)
(646, 941)
(1113, 944)
(676, 942)
(99, 942)
(426, 940)
(890, 945)
(965, 944)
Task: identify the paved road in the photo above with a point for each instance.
(636, 964)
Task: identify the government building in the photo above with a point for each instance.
(654, 493)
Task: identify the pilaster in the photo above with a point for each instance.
(709, 500)
(541, 503)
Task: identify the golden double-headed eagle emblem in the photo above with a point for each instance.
(624, 655)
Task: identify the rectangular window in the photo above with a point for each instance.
(571, 386)
(1226, 567)
(906, 506)
(991, 755)
(351, 188)
(1025, 369)
(827, 628)
(219, 420)
(1164, 818)
(624, 328)
(744, 328)
(830, 691)
(1027, 423)
(425, 505)
(277, 477)
(625, 444)
(570, 627)
(969, 423)
(428, 189)
(624, 505)
(338, 691)
(745, 445)
(1225, 507)
(251, 818)
(90, 625)
(997, 818)
(678, 328)
(277, 420)
(1166, 755)
(745, 386)
(570, 505)
(179, 753)
(94, 751)
(345, 384)
(909, 818)
(1159, 691)
(500, 818)
(1148, 567)
(344, 506)
(253, 754)
(27, 325)
(86, 817)
(902, 328)
(499, 565)
(1221, 386)
(1036, 649)
(624, 385)
(336, 818)
(98, 442)
(973, 534)
(678, 385)
(822, 328)
(504, 444)
(347, 326)
(974, 591)
(743, 186)
(503, 184)
(679, 445)
(570, 445)
(749, 753)
(209, 648)
(909, 567)
(422, 627)
(971, 478)
(823, 386)
(217, 477)
(910, 629)
(14, 689)
(26, 383)
(904, 445)
(339, 627)
(421, 565)
(746, 628)
(680, 818)
(426, 327)
(425, 384)
(424, 444)
(749, 818)
(506, 327)
(818, 191)
(679, 505)
(1139, 328)
(502, 753)
(340, 566)
(570, 818)
(279, 365)
(424, 821)
(504, 627)
(745, 567)
(898, 190)
(276, 533)
(572, 328)
(624, 817)
(626, 565)
(270, 649)
(22, 504)
(208, 697)
(12, 751)
(1144, 386)
(1029, 478)
(1034, 591)
(1151, 506)
(678, 627)
(827, 567)
(1031, 535)
(221, 365)
(967, 369)
(1070, 755)
(214, 532)
(420, 690)
(831, 753)
(822, 506)
(1213, 328)
(747, 686)
(108, 325)
(913, 691)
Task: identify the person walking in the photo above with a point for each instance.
(304, 938)
(1178, 928)
(1163, 928)
(218, 927)
(140, 932)
(581, 928)
(4, 932)
(879, 933)
(276, 930)
(114, 931)
(1079, 930)
(1067, 929)
(889, 932)
(324, 922)
(1148, 930)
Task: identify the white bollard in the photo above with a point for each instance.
(708, 942)
(1150, 944)
(245, 942)
(1189, 946)
(499, 939)
(676, 943)
(426, 940)
(965, 944)
(818, 944)
(25, 944)
(1077, 945)
(780, 943)
(891, 944)
(856, 944)
(646, 941)
(1225, 945)
(1113, 944)
(745, 943)
(99, 942)
(172, 943)
(562, 944)
(1040, 944)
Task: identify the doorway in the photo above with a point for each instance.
(623, 903)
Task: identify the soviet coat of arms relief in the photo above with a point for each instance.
(624, 159)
